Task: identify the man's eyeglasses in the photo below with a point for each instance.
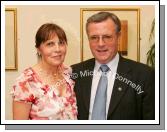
(105, 38)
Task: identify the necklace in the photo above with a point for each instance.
(54, 80)
(49, 77)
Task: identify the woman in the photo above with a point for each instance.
(45, 90)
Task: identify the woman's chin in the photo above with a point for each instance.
(58, 64)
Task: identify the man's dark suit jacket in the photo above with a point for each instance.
(127, 102)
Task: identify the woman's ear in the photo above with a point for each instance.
(38, 52)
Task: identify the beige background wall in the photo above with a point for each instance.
(30, 18)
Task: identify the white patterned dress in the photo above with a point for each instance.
(45, 100)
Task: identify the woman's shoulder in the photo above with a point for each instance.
(67, 69)
(24, 88)
(26, 74)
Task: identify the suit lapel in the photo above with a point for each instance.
(87, 83)
(119, 87)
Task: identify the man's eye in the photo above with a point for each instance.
(94, 38)
(107, 36)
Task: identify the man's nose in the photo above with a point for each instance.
(101, 41)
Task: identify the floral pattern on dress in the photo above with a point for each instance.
(45, 99)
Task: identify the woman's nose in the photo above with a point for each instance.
(57, 47)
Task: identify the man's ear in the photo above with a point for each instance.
(119, 34)
(119, 37)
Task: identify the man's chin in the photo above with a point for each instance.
(103, 61)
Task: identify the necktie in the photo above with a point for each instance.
(99, 107)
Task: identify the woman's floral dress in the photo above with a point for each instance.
(45, 100)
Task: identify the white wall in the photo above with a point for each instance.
(30, 18)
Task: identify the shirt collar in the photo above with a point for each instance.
(111, 64)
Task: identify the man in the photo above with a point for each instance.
(125, 90)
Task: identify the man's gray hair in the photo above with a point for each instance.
(102, 16)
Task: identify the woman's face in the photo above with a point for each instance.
(53, 51)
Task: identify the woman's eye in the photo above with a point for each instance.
(61, 42)
(55, 43)
(50, 44)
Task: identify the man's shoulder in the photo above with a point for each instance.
(84, 64)
(138, 66)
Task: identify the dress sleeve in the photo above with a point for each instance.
(22, 90)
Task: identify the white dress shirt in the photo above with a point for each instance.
(113, 64)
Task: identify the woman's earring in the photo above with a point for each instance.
(39, 54)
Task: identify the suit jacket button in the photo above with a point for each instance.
(120, 89)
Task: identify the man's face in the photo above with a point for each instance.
(103, 40)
